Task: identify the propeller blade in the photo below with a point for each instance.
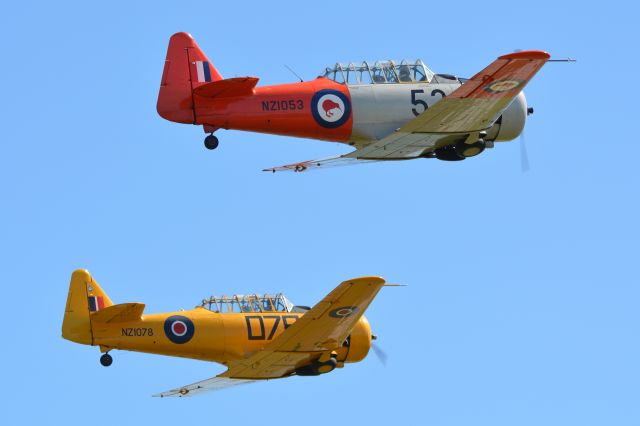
(524, 157)
(382, 356)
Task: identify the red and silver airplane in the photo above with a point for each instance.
(386, 110)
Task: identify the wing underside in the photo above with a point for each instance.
(213, 384)
(337, 161)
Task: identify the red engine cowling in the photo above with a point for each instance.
(357, 345)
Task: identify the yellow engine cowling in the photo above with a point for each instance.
(357, 345)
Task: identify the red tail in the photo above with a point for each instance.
(185, 68)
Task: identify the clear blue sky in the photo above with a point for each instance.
(523, 288)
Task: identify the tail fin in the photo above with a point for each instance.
(85, 296)
(185, 68)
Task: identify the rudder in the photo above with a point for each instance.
(186, 68)
(85, 296)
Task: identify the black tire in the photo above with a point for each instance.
(211, 142)
(317, 368)
(326, 367)
(470, 150)
(448, 153)
(106, 360)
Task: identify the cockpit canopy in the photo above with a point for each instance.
(381, 72)
(248, 303)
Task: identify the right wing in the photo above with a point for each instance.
(471, 108)
(320, 329)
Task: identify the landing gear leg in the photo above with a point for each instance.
(106, 360)
(211, 142)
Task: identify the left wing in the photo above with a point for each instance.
(212, 384)
(321, 329)
(471, 108)
(339, 160)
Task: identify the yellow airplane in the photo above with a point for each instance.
(258, 337)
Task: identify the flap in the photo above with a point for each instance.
(237, 86)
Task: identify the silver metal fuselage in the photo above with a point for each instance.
(380, 109)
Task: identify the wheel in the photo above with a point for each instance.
(317, 368)
(448, 153)
(467, 150)
(326, 367)
(211, 142)
(106, 360)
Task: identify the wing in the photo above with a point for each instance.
(213, 384)
(321, 329)
(340, 160)
(473, 107)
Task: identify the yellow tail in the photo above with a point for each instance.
(85, 296)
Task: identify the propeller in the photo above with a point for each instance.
(524, 157)
(382, 355)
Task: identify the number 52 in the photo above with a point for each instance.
(415, 101)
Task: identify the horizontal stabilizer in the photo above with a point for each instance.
(123, 312)
(237, 86)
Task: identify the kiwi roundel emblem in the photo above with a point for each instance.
(343, 312)
(500, 86)
(330, 108)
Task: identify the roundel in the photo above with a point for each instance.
(344, 311)
(179, 329)
(500, 86)
(330, 108)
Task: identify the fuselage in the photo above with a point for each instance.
(322, 109)
(220, 337)
(355, 104)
